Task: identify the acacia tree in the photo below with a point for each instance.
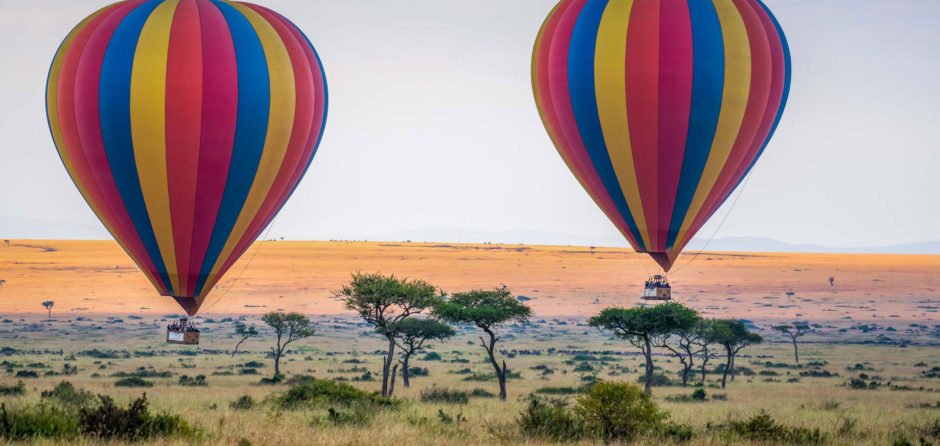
(488, 310)
(794, 331)
(734, 336)
(288, 327)
(244, 332)
(687, 346)
(48, 304)
(707, 337)
(384, 302)
(646, 327)
(411, 335)
(2, 281)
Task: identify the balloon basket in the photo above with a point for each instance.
(182, 333)
(657, 289)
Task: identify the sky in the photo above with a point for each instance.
(433, 133)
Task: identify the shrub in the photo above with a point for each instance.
(763, 428)
(197, 381)
(27, 374)
(40, 421)
(356, 416)
(432, 356)
(248, 371)
(253, 364)
(66, 394)
(483, 393)
(17, 390)
(133, 382)
(311, 391)
(443, 395)
(552, 420)
(617, 411)
(142, 372)
(418, 371)
(557, 390)
(699, 395)
(108, 421)
(243, 402)
(658, 380)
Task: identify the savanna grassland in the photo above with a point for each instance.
(875, 327)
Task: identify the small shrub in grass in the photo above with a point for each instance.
(253, 364)
(107, 421)
(432, 356)
(243, 402)
(356, 416)
(16, 390)
(27, 374)
(67, 395)
(658, 380)
(763, 428)
(444, 395)
(133, 381)
(196, 381)
(483, 393)
(248, 371)
(557, 390)
(551, 419)
(311, 391)
(618, 411)
(27, 423)
(418, 371)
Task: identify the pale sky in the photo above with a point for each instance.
(433, 130)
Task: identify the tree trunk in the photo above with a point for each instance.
(404, 371)
(648, 352)
(236, 347)
(732, 366)
(724, 377)
(387, 366)
(704, 363)
(391, 383)
(49, 310)
(277, 363)
(500, 373)
(685, 375)
(796, 352)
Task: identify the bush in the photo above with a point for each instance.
(658, 380)
(197, 381)
(552, 420)
(311, 391)
(133, 382)
(65, 394)
(617, 411)
(417, 371)
(356, 416)
(443, 395)
(699, 395)
(763, 428)
(253, 364)
(483, 393)
(27, 374)
(108, 421)
(557, 390)
(41, 421)
(243, 402)
(17, 390)
(431, 356)
(142, 372)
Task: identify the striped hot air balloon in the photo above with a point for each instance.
(186, 125)
(660, 107)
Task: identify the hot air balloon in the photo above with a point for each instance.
(186, 125)
(660, 107)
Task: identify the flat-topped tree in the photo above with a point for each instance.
(488, 310)
(48, 304)
(411, 336)
(288, 327)
(734, 336)
(646, 327)
(243, 332)
(794, 331)
(386, 301)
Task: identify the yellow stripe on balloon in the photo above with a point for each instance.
(148, 128)
(611, 90)
(280, 124)
(733, 105)
(52, 112)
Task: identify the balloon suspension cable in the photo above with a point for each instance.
(720, 224)
(250, 259)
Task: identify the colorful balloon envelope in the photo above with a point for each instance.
(660, 107)
(186, 125)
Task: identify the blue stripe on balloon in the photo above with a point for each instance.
(254, 99)
(786, 84)
(114, 102)
(581, 86)
(708, 80)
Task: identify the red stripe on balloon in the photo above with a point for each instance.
(642, 83)
(217, 135)
(675, 105)
(88, 123)
(778, 77)
(183, 129)
(569, 135)
(542, 69)
(746, 146)
(297, 144)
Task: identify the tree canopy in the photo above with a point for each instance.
(484, 308)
